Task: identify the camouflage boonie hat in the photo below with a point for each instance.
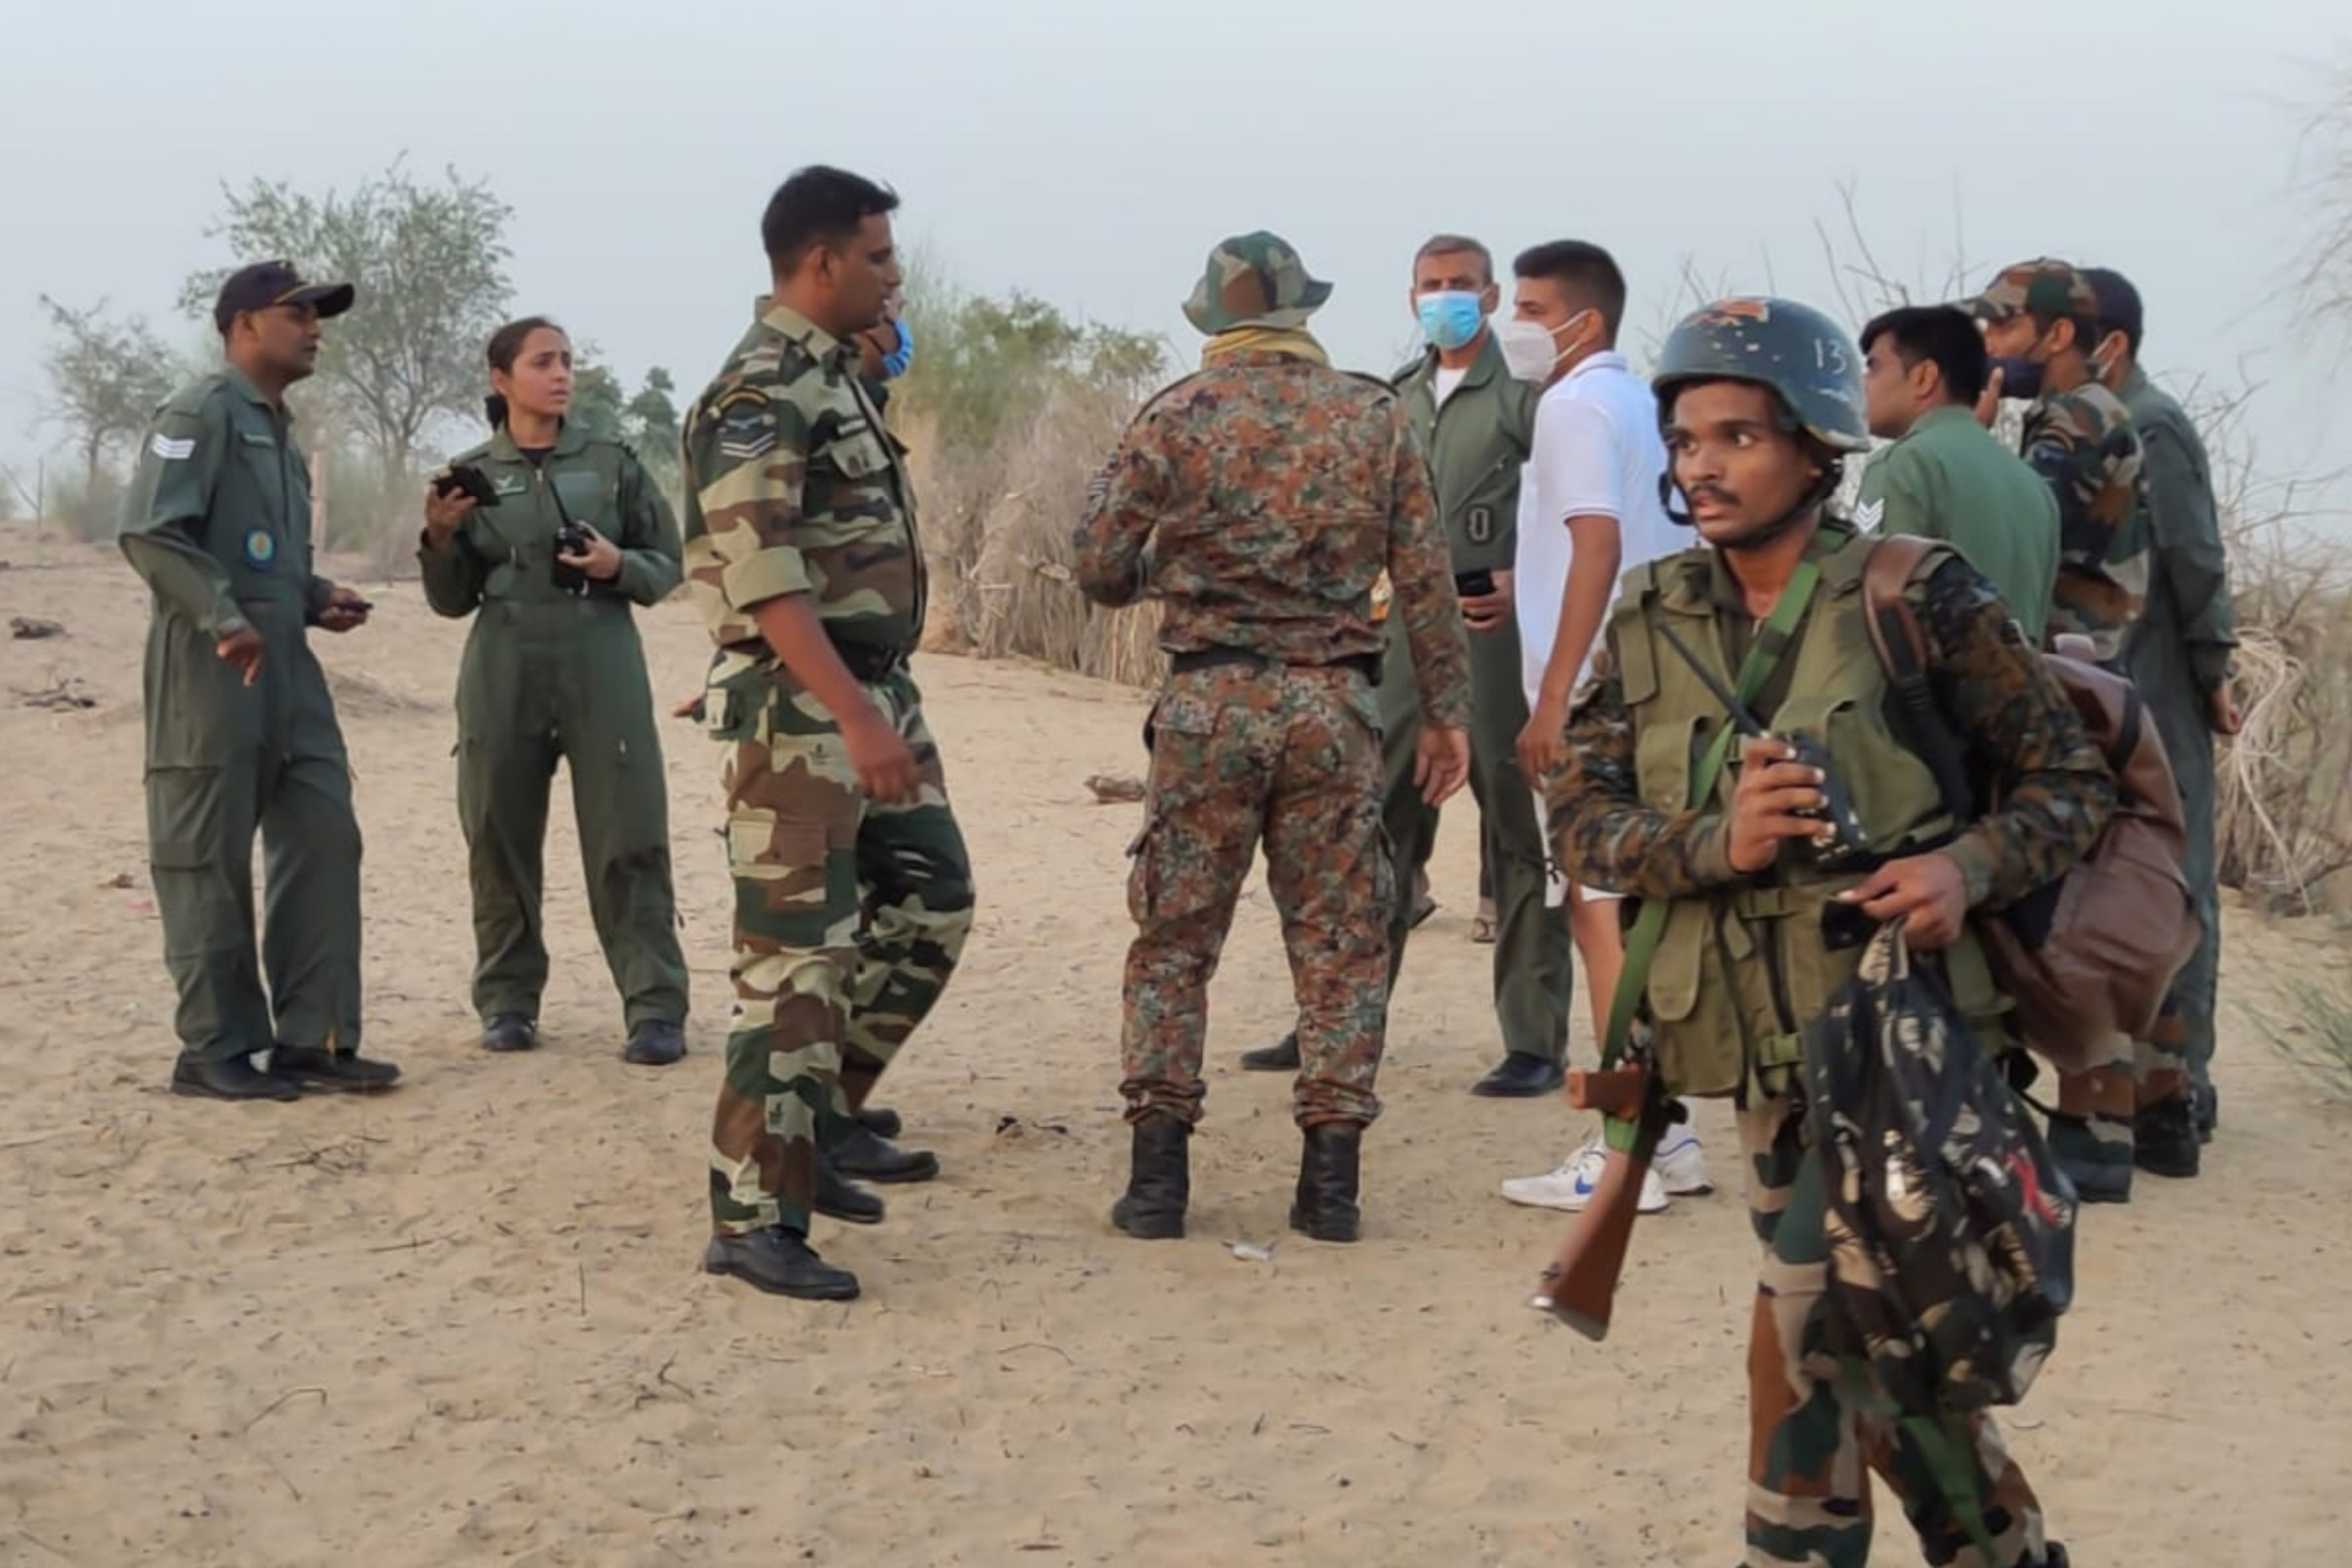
(2044, 287)
(1253, 280)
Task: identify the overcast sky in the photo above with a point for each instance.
(1092, 153)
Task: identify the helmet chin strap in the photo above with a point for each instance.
(1816, 495)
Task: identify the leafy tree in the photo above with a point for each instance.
(653, 416)
(106, 379)
(985, 367)
(597, 403)
(430, 263)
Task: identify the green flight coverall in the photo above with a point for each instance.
(2179, 653)
(1948, 478)
(548, 674)
(219, 526)
(1476, 443)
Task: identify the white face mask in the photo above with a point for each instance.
(1531, 349)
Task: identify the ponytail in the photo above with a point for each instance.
(494, 409)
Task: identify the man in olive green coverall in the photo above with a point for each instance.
(1475, 421)
(241, 731)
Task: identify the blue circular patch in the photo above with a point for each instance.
(260, 547)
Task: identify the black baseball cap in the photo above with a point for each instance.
(267, 283)
(2119, 307)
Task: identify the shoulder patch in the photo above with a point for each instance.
(745, 423)
(172, 451)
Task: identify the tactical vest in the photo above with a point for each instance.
(1740, 972)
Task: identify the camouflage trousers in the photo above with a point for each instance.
(849, 917)
(1291, 756)
(1811, 1445)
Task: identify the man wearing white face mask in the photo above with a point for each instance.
(1590, 510)
(1474, 421)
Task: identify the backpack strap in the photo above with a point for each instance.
(1894, 632)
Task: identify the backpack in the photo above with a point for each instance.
(2091, 954)
(1950, 1228)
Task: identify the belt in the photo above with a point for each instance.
(1366, 665)
(869, 663)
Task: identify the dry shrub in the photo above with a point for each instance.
(2284, 817)
(997, 523)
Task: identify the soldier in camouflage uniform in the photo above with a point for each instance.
(1761, 400)
(2041, 322)
(853, 895)
(2179, 656)
(1258, 500)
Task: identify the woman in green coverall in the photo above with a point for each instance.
(576, 535)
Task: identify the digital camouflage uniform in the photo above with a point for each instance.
(2082, 444)
(1258, 500)
(849, 914)
(218, 526)
(1745, 961)
(1617, 823)
(547, 675)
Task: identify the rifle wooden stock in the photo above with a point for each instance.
(1580, 1285)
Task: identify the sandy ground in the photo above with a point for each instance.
(464, 1323)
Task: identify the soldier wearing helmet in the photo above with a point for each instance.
(1761, 403)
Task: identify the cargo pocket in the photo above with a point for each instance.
(1700, 1044)
(733, 709)
(185, 818)
(794, 888)
(1666, 757)
(1169, 877)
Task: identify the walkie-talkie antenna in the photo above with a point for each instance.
(1741, 715)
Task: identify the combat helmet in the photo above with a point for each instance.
(1806, 359)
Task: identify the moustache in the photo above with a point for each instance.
(1714, 494)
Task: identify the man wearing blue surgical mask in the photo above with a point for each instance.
(885, 353)
(1474, 422)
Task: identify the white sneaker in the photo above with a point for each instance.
(1679, 1165)
(1571, 1186)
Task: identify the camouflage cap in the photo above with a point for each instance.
(2043, 287)
(1253, 280)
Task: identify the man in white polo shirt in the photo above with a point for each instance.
(1591, 510)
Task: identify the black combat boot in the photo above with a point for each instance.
(2163, 1137)
(1280, 1057)
(230, 1077)
(841, 1198)
(859, 1151)
(1325, 1206)
(2100, 1173)
(1159, 1181)
(509, 1031)
(880, 1120)
(1520, 1077)
(779, 1262)
(315, 1067)
(655, 1043)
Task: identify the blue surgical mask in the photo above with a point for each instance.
(1450, 318)
(895, 363)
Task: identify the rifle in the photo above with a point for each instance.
(1580, 1285)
